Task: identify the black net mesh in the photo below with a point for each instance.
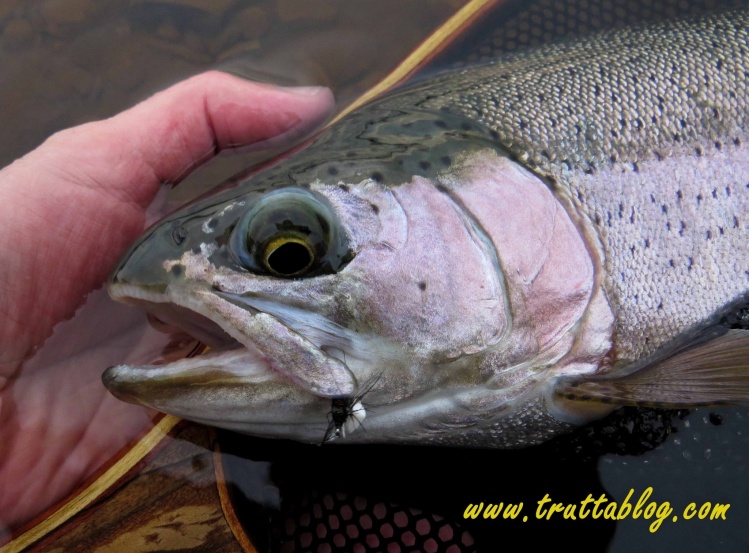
(332, 522)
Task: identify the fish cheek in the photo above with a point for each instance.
(424, 291)
(549, 269)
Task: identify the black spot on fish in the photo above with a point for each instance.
(446, 161)
(374, 207)
(440, 123)
(425, 165)
(466, 126)
(332, 170)
(422, 285)
(377, 177)
(176, 270)
(196, 250)
(344, 187)
(715, 419)
(213, 223)
(179, 234)
(494, 135)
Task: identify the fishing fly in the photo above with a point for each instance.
(345, 416)
(347, 413)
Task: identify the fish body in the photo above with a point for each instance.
(487, 258)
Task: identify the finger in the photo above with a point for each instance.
(163, 138)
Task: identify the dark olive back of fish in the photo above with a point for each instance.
(626, 96)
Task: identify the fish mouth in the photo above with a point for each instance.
(234, 385)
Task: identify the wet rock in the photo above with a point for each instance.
(7, 8)
(62, 18)
(214, 7)
(252, 22)
(308, 10)
(17, 34)
(244, 27)
(238, 50)
(167, 30)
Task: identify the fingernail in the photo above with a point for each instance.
(304, 90)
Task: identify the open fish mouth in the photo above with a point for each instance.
(235, 371)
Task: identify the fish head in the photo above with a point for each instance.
(401, 267)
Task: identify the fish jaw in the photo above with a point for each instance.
(235, 390)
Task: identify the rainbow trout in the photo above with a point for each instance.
(487, 258)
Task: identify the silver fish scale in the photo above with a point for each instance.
(645, 131)
(542, 21)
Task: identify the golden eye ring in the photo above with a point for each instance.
(288, 256)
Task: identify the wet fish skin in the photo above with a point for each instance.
(594, 192)
(645, 133)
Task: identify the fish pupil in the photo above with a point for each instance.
(289, 258)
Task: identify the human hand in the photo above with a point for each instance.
(68, 211)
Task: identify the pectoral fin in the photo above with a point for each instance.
(709, 372)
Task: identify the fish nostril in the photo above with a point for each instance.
(179, 234)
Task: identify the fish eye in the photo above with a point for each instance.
(288, 255)
(289, 233)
